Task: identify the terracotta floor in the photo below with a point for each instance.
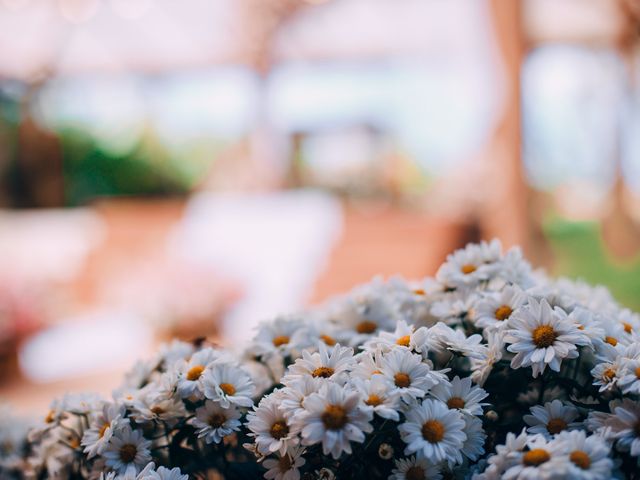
(375, 240)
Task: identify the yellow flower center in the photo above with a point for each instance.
(455, 403)
(609, 374)
(334, 417)
(103, 429)
(404, 341)
(323, 372)
(128, 453)
(402, 380)
(580, 459)
(503, 312)
(217, 420)
(535, 457)
(279, 430)
(157, 410)
(433, 431)
(228, 389)
(284, 463)
(328, 340)
(51, 416)
(556, 425)
(611, 341)
(195, 372)
(468, 268)
(74, 443)
(627, 327)
(415, 473)
(637, 372)
(419, 291)
(373, 400)
(280, 340)
(367, 326)
(544, 336)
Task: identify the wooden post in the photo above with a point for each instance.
(505, 213)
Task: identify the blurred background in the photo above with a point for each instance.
(186, 168)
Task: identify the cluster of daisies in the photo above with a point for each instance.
(489, 370)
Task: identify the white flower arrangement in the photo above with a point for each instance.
(489, 370)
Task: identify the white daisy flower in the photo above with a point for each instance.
(470, 265)
(460, 394)
(154, 407)
(377, 397)
(331, 363)
(102, 425)
(415, 468)
(272, 431)
(457, 342)
(261, 376)
(552, 418)
(334, 417)
(596, 420)
(401, 337)
(316, 330)
(596, 298)
(128, 396)
(407, 375)
(454, 306)
(554, 296)
(587, 323)
(623, 426)
(630, 321)
(540, 336)
(473, 446)
(434, 431)
(51, 457)
(292, 396)
(128, 451)
(162, 473)
(175, 351)
(614, 336)
(482, 367)
(228, 384)
(138, 375)
(629, 381)
(588, 456)
(494, 309)
(280, 335)
(506, 456)
(413, 302)
(190, 372)
(286, 466)
(214, 422)
(52, 419)
(82, 403)
(632, 351)
(606, 374)
(367, 365)
(515, 270)
(363, 313)
(535, 463)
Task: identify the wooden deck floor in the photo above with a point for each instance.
(375, 240)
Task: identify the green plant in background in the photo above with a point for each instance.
(580, 252)
(148, 168)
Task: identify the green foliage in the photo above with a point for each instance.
(580, 252)
(146, 169)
